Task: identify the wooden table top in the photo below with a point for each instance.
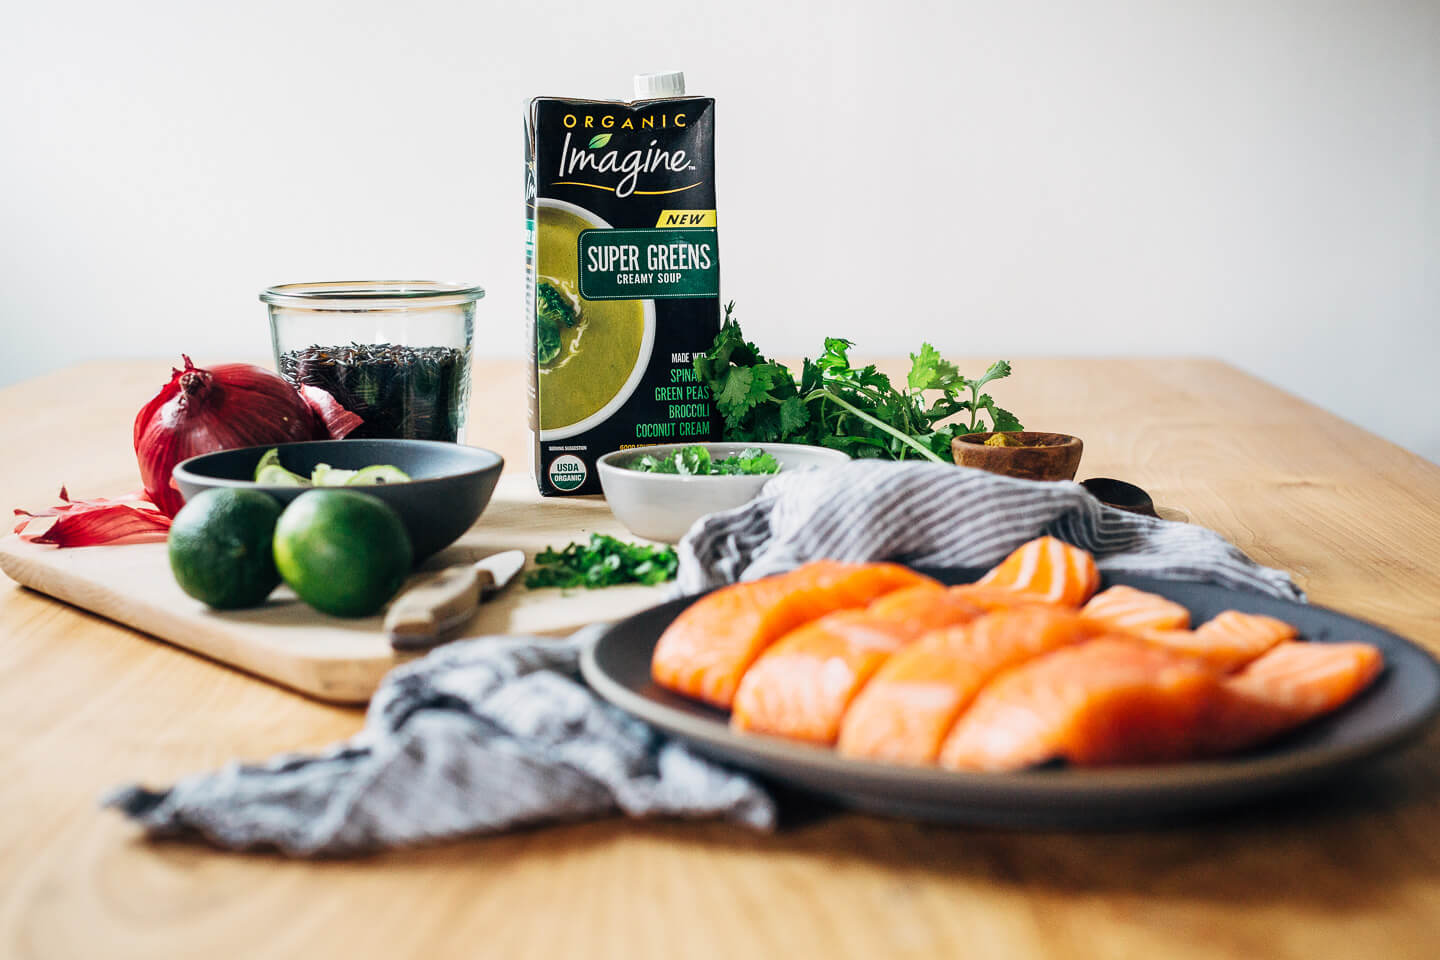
(1353, 870)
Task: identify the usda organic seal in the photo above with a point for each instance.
(567, 473)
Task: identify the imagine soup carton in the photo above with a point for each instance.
(623, 268)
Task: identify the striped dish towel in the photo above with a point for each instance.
(938, 515)
(477, 736)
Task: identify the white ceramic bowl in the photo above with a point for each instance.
(662, 506)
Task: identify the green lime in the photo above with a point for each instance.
(220, 547)
(344, 552)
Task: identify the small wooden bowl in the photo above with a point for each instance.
(1044, 456)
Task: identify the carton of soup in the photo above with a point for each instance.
(623, 272)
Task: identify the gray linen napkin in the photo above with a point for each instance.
(487, 734)
(937, 515)
(477, 736)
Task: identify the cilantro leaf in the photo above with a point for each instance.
(835, 356)
(763, 376)
(930, 371)
(692, 461)
(733, 396)
(793, 415)
(998, 370)
(1004, 420)
(750, 461)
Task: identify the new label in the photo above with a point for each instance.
(567, 473)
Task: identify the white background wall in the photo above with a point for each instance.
(1255, 179)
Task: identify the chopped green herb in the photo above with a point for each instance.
(834, 404)
(604, 562)
(695, 461)
(749, 461)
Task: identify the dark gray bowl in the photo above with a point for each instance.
(450, 487)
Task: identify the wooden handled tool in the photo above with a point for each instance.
(422, 616)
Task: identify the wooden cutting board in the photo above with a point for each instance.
(338, 660)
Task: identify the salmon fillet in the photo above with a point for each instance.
(800, 686)
(1227, 642)
(1127, 609)
(1047, 568)
(1288, 686)
(904, 712)
(704, 652)
(1110, 700)
(992, 599)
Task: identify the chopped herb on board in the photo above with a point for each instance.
(857, 410)
(603, 562)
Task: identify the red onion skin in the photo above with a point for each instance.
(217, 408)
(336, 419)
(101, 520)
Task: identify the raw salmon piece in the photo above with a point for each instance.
(904, 712)
(703, 653)
(1127, 609)
(907, 602)
(1227, 642)
(801, 685)
(1108, 701)
(993, 599)
(1047, 568)
(1288, 686)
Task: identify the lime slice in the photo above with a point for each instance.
(376, 475)
(274, 475)
(266, 472)
(270, 458)
(325, 475)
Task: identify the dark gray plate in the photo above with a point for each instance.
(450, 483)
(1397, 708)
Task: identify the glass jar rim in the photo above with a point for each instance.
(370, 294)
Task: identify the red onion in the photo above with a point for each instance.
(225, 406)
(198, 411)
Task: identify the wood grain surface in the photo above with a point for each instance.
(1349, 871)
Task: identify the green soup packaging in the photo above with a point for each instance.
(623, 271)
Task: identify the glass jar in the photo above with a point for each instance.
(395, 353)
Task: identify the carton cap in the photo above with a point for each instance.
(651, 86)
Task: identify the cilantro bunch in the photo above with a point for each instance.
(603, 562)
(834, 404)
